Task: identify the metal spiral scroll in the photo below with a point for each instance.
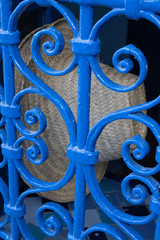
(50, 49)
(87, 48)
(39, 147)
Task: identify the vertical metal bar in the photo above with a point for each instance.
(9, 92)
(11, 137)
(84, 73)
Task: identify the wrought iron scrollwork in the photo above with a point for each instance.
(81, 151)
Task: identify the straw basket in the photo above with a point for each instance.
(103, 101)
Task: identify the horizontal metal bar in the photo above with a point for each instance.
(146, 5)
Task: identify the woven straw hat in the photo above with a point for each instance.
(103, 101)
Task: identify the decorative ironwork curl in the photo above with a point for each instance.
(34, 151)
(54, 222)
(43, 186)
(66, 13)
(134, 113)
(139, 193)
(45, 91)
(123, 66)
(39, 115)
(120, 218)
(50, 49)
(143, 148)
(106, 206)
(139, 153)
(49, 224)
(31, 117)
(108, 229)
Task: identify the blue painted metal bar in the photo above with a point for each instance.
(9, 92)
(82, 148)
(143, 5)
(84, 73)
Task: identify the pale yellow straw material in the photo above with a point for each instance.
(103, 101)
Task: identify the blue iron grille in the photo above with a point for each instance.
(81, 151)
